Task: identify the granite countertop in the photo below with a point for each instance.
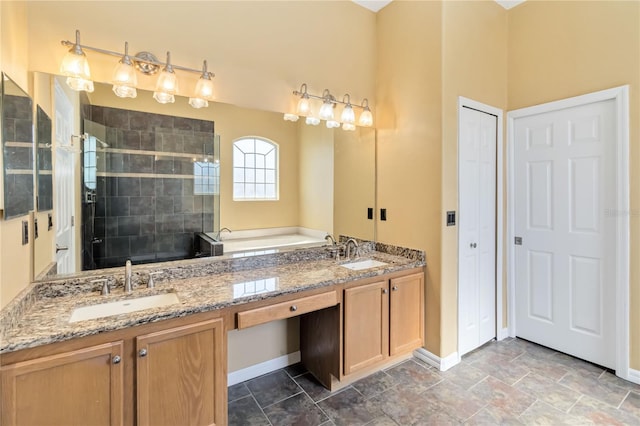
(47, 307)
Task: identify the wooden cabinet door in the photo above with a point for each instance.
(406, 318)
(181, 375)
(82, 387)
(366, 325)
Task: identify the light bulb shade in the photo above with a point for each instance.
(198, 103)
(326, 111)
(312, 121)
(332, 124)
(80, 84)
(348, 116)
(204, 89)
(75, 65)
(124, 75)
(291, 117)
(124, 91)
(163, 97)
(348, 127)
(167, 82)
(304, 106)
(366, 118)
(125, 80)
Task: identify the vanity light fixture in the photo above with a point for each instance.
(167, 84)
(366, 118)
(76, 68)
(304, 104)
(204, 89)
(124, 76)
(326, 112)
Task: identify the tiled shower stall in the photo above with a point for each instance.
(150, 182)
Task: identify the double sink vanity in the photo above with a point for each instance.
(69, 355)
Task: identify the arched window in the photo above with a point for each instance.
(255, 169)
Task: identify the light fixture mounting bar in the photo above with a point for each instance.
(68, 43)
(331, 99)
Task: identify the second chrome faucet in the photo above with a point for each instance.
(127, 276)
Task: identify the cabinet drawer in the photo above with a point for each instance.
(288, 309)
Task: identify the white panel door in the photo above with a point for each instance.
(564, 181)
(64, 182)
(477, 229)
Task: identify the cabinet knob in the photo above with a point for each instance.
(385, 291)
(142, 353)
(116, 359)
(293, 308)
(394, 288)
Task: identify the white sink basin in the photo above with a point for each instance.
(123, 307)
(363, 264)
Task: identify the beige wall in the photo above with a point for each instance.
(474, 65)
(563, 49)
(354, 177)
(316, 176)
(15, 259)
(44, 245)
(262, 343)
(409, 158)
(259, 50)
(233, 123)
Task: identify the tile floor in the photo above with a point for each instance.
(509, 382)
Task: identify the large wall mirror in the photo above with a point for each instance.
(17, 143)
(154, 173)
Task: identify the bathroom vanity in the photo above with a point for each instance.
(168, 364)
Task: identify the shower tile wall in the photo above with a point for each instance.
(17, 128)
(146, 209)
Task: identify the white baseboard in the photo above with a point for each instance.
(254, 371)
(503, 333)
(442, 364)
(634, 376)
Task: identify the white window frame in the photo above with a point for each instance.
(255, 168)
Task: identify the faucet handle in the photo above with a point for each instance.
(106, 289)
(151, 283)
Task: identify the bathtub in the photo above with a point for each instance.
(265, 241)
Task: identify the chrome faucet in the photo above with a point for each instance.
(330, 237)
(217, 238)
(347, 248)
(127, 276)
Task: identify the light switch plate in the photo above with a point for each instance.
(25, 232)
(451, 218)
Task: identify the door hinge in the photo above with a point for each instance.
(73, 220)
(518, 241)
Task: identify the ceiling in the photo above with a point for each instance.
(376, 5)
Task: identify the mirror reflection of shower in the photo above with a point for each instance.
(93, 159)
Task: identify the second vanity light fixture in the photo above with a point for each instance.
(326, 112)
(76, 68)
